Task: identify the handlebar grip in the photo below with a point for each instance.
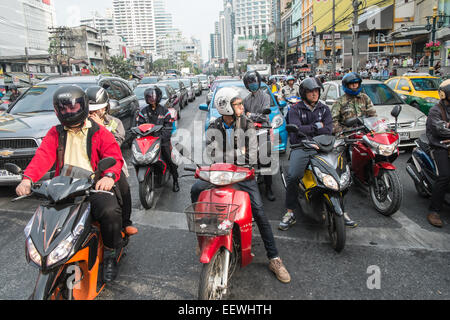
(190, 169)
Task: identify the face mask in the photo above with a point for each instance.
(253, 87)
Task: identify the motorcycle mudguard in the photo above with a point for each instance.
(142, 173)
(44, 285)
(243, 218)
(382, 165)
(334, 201)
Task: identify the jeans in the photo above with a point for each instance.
(251, 187)
(441, 184)
(298, 163)
(106, 210)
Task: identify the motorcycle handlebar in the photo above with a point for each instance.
(190, 169)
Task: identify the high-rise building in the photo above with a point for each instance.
(226, 30)
(252, 18)
(99, 22)
(25, 23)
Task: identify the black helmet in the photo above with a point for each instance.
(444, 90)
(153, 95)
(309, 84)
(252, 81)
(98, 98)
(351, 77)
(71, 105)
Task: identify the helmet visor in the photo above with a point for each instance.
(67, 107)
(151, 97)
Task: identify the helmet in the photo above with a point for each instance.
(351, 77)
(153, 95)
(252, 81)
(444, 90)
(290, 78)
(98, 98)
(309, 84)
(222, 101)
(71, 105)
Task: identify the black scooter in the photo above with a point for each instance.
(63, 241)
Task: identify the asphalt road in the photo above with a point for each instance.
(411, 258)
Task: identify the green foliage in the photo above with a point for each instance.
(123, 68)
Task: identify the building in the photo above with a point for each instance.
(26, 22)
(226, 31)
(101, 23)
(89, 46)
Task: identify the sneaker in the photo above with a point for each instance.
(276, 266)
(349, 222)
(287, 221)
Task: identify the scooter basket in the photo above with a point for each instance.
(211, 219)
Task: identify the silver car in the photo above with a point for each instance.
(190, 89)
(411, 121)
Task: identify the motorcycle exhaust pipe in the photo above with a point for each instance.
(412, 173)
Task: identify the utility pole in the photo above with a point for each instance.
(58, 44)
(333, 33)
(355, 50)
(285, 49)
(313, 64)
(27, 65)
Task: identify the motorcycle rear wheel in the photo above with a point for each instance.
(147, 192)
(388, 199)
(211, 286)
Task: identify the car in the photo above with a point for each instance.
(197, 85)
(28, 119)
(181, 91)
(204, 80)
(190, 89)
(411, 121)
(214, 85)
(419, 90)
(150, 80)
(167, 100)
(276, 118)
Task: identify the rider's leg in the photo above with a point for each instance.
(440, 186)
(125, 193)
(166, 154)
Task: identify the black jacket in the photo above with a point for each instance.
(159, 116)
(243, 134)
(436, 125)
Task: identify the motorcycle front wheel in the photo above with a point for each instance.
(147, 192)
(212, 278)
(388, 197)
(336, 230)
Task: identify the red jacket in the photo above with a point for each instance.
(103, 145)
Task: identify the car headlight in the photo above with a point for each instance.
(432, 100)
(65, 248)
(277, 121)
(148, 158)
(33, 253)
(222, 178)
(422, 121)
(327, 180)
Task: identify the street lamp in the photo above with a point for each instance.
(432, 26)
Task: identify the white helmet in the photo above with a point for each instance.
(222, 101)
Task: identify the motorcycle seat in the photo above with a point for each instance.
(424, 143)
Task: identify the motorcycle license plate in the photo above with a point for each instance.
(404, 136)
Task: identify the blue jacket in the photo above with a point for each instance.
(307, 120)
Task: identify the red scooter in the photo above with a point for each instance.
(222, 220)
(373, 147)
(151, 170)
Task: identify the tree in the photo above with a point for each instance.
(120, 66)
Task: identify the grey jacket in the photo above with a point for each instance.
(437, 130)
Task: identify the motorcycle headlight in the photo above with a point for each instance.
(222, 178)
(65, 248)
(277, 121)
(422, 121)
(149, 157)
(384, 149)
(33, 253)
(327, 180)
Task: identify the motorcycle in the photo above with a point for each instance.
(63, 241)
(151, 170)
(222, 220)
(265, 138)
(373, 147)
(325, 184)
(422, 167)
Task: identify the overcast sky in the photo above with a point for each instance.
(194, 17)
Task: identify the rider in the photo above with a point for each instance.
(234, 126)
(156, 114)
(14, 94)
(313, 118)
(99, 112)
(274, 87)
(254, 104)
(438, 131)
(76, 147)
(291, 90)
(352, 104)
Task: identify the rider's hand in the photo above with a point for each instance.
(24, 188)
(248, 114)
(96, 118)
(105, 184)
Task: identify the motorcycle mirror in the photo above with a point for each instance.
(351, 122)
(396, 111)
(267, 111)
(292, 128)
(14, 169)
(106, 163)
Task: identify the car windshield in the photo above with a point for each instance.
(139, 92)
(187, 83)
(174, 84)
(203, 78)
(381, 94)
(39, 98)
(243, 92)
(149, 80)
(426, 84)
